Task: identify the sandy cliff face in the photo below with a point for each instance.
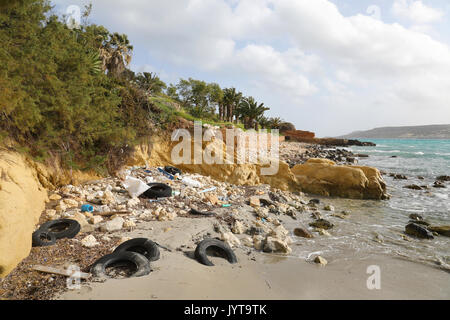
(316, 176)
(22, 199)
(23, 194)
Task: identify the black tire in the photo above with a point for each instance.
(201, 213)
(157, 190)
(144, 246)
(98, 269)
(172, 170)
(42, 239)
(71, 228)
(219, 246)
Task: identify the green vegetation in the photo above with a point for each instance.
(68, 93)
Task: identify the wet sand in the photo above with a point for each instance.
(263, 276)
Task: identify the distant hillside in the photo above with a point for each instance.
(413, 132)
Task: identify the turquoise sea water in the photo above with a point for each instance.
(369, 221)
(420, 157)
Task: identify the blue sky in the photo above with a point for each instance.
(328, 66)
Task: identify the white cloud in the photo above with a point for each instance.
(416, 11)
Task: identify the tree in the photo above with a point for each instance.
(150, 83)
(115, 50)
(231, 100)
(250, 111)
(275, 123)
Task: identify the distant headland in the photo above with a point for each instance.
(408, 132)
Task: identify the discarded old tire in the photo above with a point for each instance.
(172, 170)
(42, 239)
(157, 190)
(144, 246)
(220, 247)
(61, 228)
(122, 258)
(201, 213)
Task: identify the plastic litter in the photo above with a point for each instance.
(87, 208)
(135, 187)
(226, 205)
(207, 190)
(192, 183)
(168, 175)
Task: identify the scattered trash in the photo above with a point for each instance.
(190, 182)
(61, 228)
(135, 187)
(226, 205)
(143, 246)
(42, 239)
(67, 273)
(206, 213)
(87, 208)
(216, 245)
(157, 190)
(207, 190)
(111, 213)
(140, 262)
(172, 170)
(168, 175)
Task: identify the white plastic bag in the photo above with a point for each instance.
(135, 187)
(192, 183)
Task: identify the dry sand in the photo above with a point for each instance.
(260, 276)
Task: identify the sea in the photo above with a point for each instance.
(377, 227)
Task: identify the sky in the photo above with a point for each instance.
(327, 66)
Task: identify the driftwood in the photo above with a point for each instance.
(61, 272)
(110, 213)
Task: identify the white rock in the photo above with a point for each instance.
(238, 227)
(230, 239)
(95, 219)
(112, 225)
(258, 242)
(54, 197)
(247, 241)
(50, 212)
(108, 197)
(89, 241)
(279, 232)
(133, 202)
(70, 203)
(276, 245)
(129, 224)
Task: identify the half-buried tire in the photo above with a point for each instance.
(172, 170)
(120, 259)
(42, 239)
(61, 228)
(144, 246)
(219, 247)
(157, 190)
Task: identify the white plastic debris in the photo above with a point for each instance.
(192, 183)
(135, 187)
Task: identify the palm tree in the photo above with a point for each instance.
(150, 83)
(275, 123)
(264, 122)
(115, 51)
(231, 100)
(249, 111)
